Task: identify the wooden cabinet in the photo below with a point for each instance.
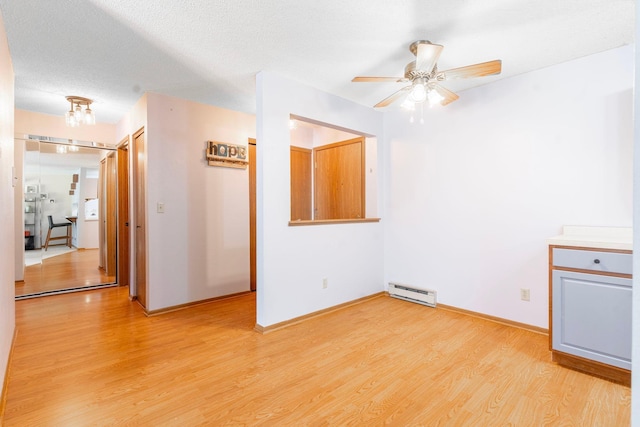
(339, 180)
(590, 310)
(301, 188)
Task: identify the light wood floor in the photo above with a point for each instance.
(93, 358)
(72, 270)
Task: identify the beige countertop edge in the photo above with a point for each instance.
(599, 242)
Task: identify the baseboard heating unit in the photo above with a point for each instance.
(407, 293)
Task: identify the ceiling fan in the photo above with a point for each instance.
(424, 77)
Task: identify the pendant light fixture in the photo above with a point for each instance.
(77, 115)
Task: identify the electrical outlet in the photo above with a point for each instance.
(325, 283)
(525, 294)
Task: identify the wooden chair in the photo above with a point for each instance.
(53, 225)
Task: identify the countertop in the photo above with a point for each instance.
(594, 237)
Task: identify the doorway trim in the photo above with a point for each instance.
(139, 199)
(124, 207)
(252, 216)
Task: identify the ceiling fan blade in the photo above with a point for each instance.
(427, 55)
(379, 79)
(393, 97)
(477, 70)
(445, 93)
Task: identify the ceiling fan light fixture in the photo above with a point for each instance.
(434, 97)
(418, 93)
(408, 104)
(424, 77)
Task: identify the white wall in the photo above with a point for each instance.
(372, 178)
(31, 123)
(8, 236)
(474, 192)
(635, 356)
(199, 247)
(87, 230)
(323, 135)
(292, 261)
(311, 135)
(303, 136)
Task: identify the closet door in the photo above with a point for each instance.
(123, 213)
(252, 215)
(300, 159)
(339, 180)
(140, 199)
(102, 215)
(110, 214)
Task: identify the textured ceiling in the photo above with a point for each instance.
(210, 51)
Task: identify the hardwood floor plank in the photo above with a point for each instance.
(95, 358)
(70, 270)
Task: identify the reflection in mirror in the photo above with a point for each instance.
(59, 196)
(332, 172)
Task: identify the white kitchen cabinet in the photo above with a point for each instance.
(590, 310)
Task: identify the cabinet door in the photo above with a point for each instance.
(339, 181)
(300, 183)
(592, 317)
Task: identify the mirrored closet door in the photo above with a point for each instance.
(62, 194)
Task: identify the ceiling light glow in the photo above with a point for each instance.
(76, 115)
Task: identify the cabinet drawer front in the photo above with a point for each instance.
(610, 262)
(592, 317)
